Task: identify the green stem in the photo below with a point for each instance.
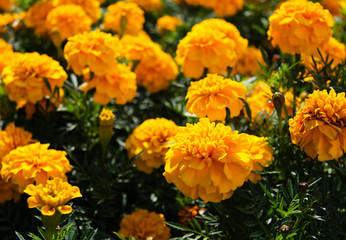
(50, 224)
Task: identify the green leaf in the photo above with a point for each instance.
(47, 84)
(19, 236)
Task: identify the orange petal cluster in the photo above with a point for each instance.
(142, 224)
(210, 96)
(148, 5)
(151, 140)
(52, 196)
(213, 44)
(209, 161)
(168, 23)
(300, 27)
(319, 128)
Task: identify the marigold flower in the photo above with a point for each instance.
(37, 15)
(34, 163)
(300, 27)
(137, 47)
(6, 20)
(119, 84)
(190, 212)
(95, 50)
(168, 23)
(260, 153)
(8, 192)
(155, 73)
(124, 18)
(148, 5)
(319, 128)
(66, 21)
(223, 8)
(105, 130)
(208, 160)
(52, 196)
(213, 44)
(5, 47)
(13, 137)
(142, 224)
(24, 79)
(6, 55)
(91, 7)
(248, 62)
(151, 137)
(334, 49)
(210, 96)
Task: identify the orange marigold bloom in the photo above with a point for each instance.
(210, 96)
(300, 27)
(148, 5)
(151, 137)
(34, 163)
(334, 49)
(248, 62)
(155, 73)
(8, 191)
(319, 128)
(124, 18)
(213, 44)
(168, 23)
(5, 47)
(37, 15)
(91, 7)
(223, 8)
(13, 137)
(142, 225)
(119, 84)
(24, 79)
(95, 50)
(6, 54)
(208, 160)
(52, 196)
(261, 154)
(66, 21)
(6, 20)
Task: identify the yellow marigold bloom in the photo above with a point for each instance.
(8, 191)
(119, 84)
(213, 44)
(34, 163)
(137, 47)
(248, 62)
(91, 7)
(6, 4)
(95, 50)
(52, 196)
(151, 137)
(334, 49)
(124, 18)
(6, 20)
(5, 47)
(142, 225)
(168, 23)
(155, 73)
(24, 78)
(260, 153)
(37, 15)
(66, 21)
(13, 137)
(319, 128)
(148, 5)
(223, 8)
(208, 160)
(6, 54)
(334, 6)
(210, 96)
(300, 27)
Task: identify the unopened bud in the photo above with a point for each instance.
(106, 126)
(278, 100)
(303, 186)
(285, 229)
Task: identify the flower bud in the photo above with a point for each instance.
(279, 101)
(106, 126)
(303, 186)
(285, 229)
